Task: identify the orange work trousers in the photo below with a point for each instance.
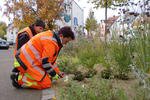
(27, 82)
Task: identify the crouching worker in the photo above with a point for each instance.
(23, 37)
(37, 57)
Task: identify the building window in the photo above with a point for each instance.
(75, 21)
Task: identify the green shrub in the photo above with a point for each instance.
(83, 52)
(90, 53)
(67, 64)
(95, 90)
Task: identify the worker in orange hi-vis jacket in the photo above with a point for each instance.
(23, 37)
(37, 57)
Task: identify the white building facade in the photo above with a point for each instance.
(11, 33)
(73, 16)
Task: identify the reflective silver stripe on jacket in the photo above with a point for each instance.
(48, 38)
(30, 60)
(52, 68)
(36, 53)
(24, 80)
(47, 65)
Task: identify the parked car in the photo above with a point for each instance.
(4, 44)
(10, 42)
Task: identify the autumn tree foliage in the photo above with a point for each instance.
(25, 12)
(2, 29)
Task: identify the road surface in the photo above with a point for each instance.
(7, 91)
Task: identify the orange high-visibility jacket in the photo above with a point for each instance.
(27, 31)
(38, 55)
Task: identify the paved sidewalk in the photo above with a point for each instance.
(48, 94)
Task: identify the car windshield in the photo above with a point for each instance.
(2, 39)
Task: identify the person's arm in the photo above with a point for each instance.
(48, 57)
(22, 39)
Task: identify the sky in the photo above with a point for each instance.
(99, 14)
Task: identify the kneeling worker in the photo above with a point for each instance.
(37, 57)
(23, 37)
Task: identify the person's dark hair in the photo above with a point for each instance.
(67, 32)
(40, 23)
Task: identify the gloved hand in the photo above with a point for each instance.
(62, 74)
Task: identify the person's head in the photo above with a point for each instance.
(66, 34)
(39, 26)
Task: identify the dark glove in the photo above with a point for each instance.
(61, 74)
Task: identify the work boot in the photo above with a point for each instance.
(15, 70)
(14, 78)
